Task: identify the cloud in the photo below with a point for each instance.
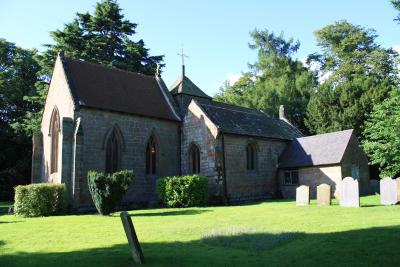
(233, 78)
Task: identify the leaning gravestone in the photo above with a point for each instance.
(132, 238)
(324, 195)
(388, 189)
(349, 193)
(398, 189)
(303, 195)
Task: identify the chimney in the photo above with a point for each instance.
(282, 112)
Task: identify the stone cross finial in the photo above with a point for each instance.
(183, 55)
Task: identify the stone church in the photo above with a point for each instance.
(106, 119)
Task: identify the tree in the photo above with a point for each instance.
(382, 135)
(276, 78)
(396, 5)
(360, 74)
(18, 75)
(103, 37)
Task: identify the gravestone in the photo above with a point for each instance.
(302, 195)
(324, 194)
(398, 188)
(388, 189)
(132, 238)
(349, 193)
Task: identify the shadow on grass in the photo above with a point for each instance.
(11, 222)
(361, 247)
(167, 213)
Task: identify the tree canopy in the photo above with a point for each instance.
(103, 37)
(18, 69)
(382, 135)
(275, 79)
(358, 74)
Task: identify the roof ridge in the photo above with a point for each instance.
(243, 109)
(324, 134)
(108, 67)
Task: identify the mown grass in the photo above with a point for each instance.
(273, 233)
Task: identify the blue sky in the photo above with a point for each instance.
(215, 34)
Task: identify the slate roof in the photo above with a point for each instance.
(183, 85)
(322, 149)
(96, 86)
(245, 121)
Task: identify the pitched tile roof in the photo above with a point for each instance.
(245, 121)
(101, 87)
(322, 149)
(185, 86)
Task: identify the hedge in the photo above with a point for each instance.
(107, 190)
(43, 199)
(183, 191)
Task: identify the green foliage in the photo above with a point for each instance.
(102, 37)
(396, 5)
(183, 191)
(36, 200)
(382, 135)
(18, 69)
(356, 73)
(275, 79)
(107, 190)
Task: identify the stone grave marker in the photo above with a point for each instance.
(132, 238)
(349, 193)
(324, 194)
(302, 195)
(388, 189)
(398, 188)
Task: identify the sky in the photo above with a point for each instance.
(214, 34)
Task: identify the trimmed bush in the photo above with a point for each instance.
(183, 191)
(107, 190)
(43, 199)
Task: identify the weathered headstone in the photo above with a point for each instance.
(349, 193)
(324, 194)
(388, 189)
(398, 189)
(132, 238)
(302, 195)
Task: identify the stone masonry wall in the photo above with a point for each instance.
(355, 157)
(312, 177)
(198, 129)
(136, 130)
(58, 97)
(260, 183)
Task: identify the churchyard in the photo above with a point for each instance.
(274, 233)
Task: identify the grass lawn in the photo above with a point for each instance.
(272, 233)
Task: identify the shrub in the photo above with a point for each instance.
(43, 199)
(107, 190)
(183, 191)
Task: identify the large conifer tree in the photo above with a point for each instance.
(358, 74)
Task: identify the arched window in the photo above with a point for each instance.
(151, 155)
(194, 159)
(251, 157)
(54, 133)
(113, 153)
